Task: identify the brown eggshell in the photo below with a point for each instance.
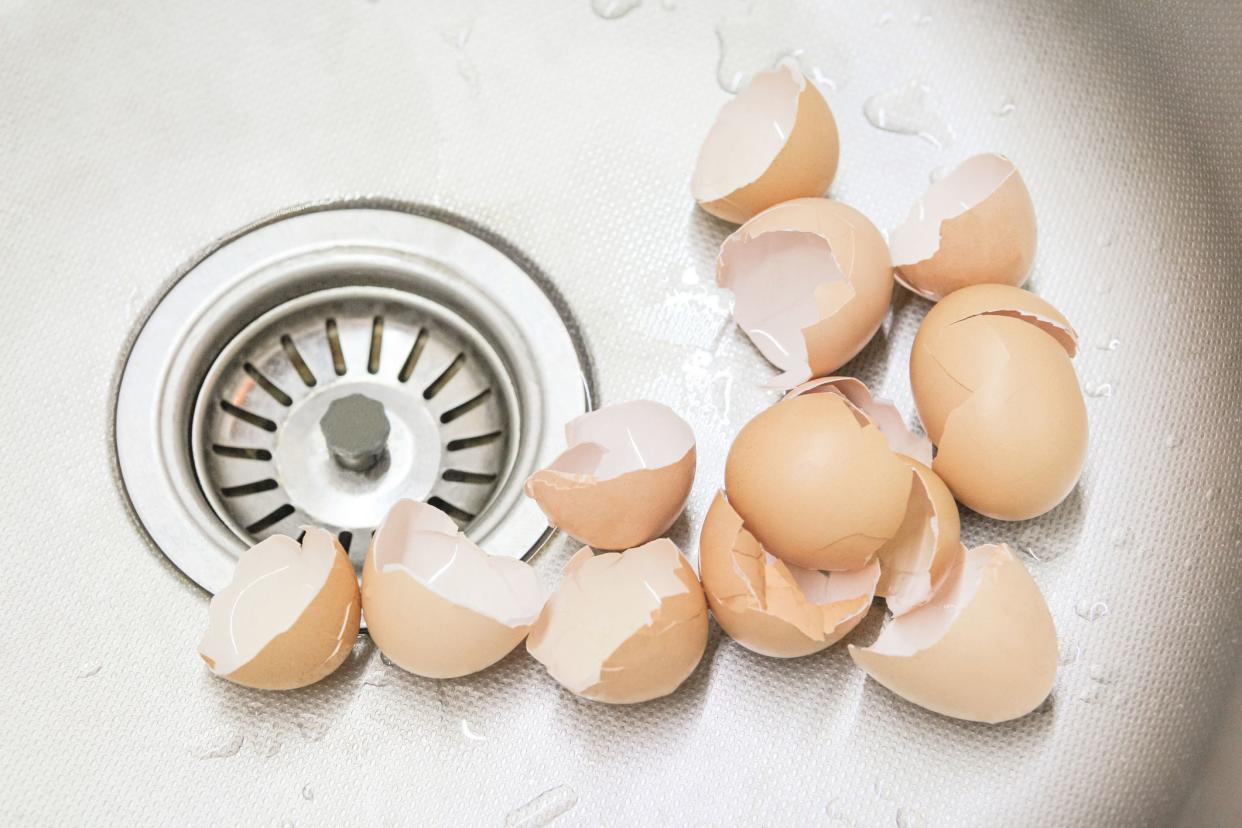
(760, 601)
(812, 282)
(872, 409)
(297, 627)
(775, 141)
(598, 491)
(943, 247)
(818, 488)
(983, 649)
(623, 627)
(425, 624)
(926, 547)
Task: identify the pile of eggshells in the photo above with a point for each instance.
(829, 500)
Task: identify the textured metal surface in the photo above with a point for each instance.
(136, 135)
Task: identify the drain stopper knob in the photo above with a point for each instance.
(356, 430)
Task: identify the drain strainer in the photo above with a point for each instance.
(321, 367)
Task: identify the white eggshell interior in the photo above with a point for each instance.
(622, 438)
(748, 134)
(273, 584)
(918, 238)
(923, 626)
(829, 587)
(774, 277)
(423, 542)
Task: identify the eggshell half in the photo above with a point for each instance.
(812, 282)
(623, 627)
(288, 618)
(873, 409)
(436, 604)
(926, 547)
(816, 486)
(775, 141)
(983, 649)
(769, 606)
(997, 392)
(623, 480)
(974, 226)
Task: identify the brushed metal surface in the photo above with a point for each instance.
(136, 135)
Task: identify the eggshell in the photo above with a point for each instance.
(998, 395)
(926, 547)
(974, 226)
(775, 141)
(623, 480)
(873, 409)
(436, 604)
(769, 606)
(983, 649)
(288, 618)
(816, 486)
(623, 627)
(812, 282)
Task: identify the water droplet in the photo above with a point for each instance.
(614, 9)
(882, 789)
(1106, 238)
(1098, 389)
(470, 735)
(1091, 610)
(1005, 107)
(760, 36)
(907, 818)
(307, 793)
(909, 109)
(940, 173)
(1108, 343)
(386, 661)
(1068, 653)
(1100, 674)
(884, 19)
(921, 19)
(89, 668)
(312, 728)
(836, 816)
(542, 809)
(1091, 694)
(230, 747)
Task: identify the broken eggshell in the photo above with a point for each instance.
(771, 607)
(877, 410)
(812, 282)
(974, 226)
(995, 388)
(623, 480)
(983, 649)
(915, 562)
(288, 617)
(623, 627)
(436, 604)
(817, 484)
(775, 140)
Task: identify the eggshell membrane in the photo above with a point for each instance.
(436, 604)
(812, 282)
(775, 140)
(873, 409)
(289, 616)
(983, 649)
(768, 606)
(623, 627)
(974, 226)
(818, 488)
(623, 480)
(926, 547)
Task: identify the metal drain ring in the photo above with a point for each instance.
(406, 269)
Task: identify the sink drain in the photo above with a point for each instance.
(320, 367)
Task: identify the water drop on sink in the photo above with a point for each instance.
(1100, 674)
(907, 818)
(1069, 653)
(884, 19)
(544, 808)
(614, 9)
(89, 668)
(1108, 343)
(307, 793)
(908, 109)
(1091, 610)
(939, 173)
(1099, 389)
(1005, 107)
